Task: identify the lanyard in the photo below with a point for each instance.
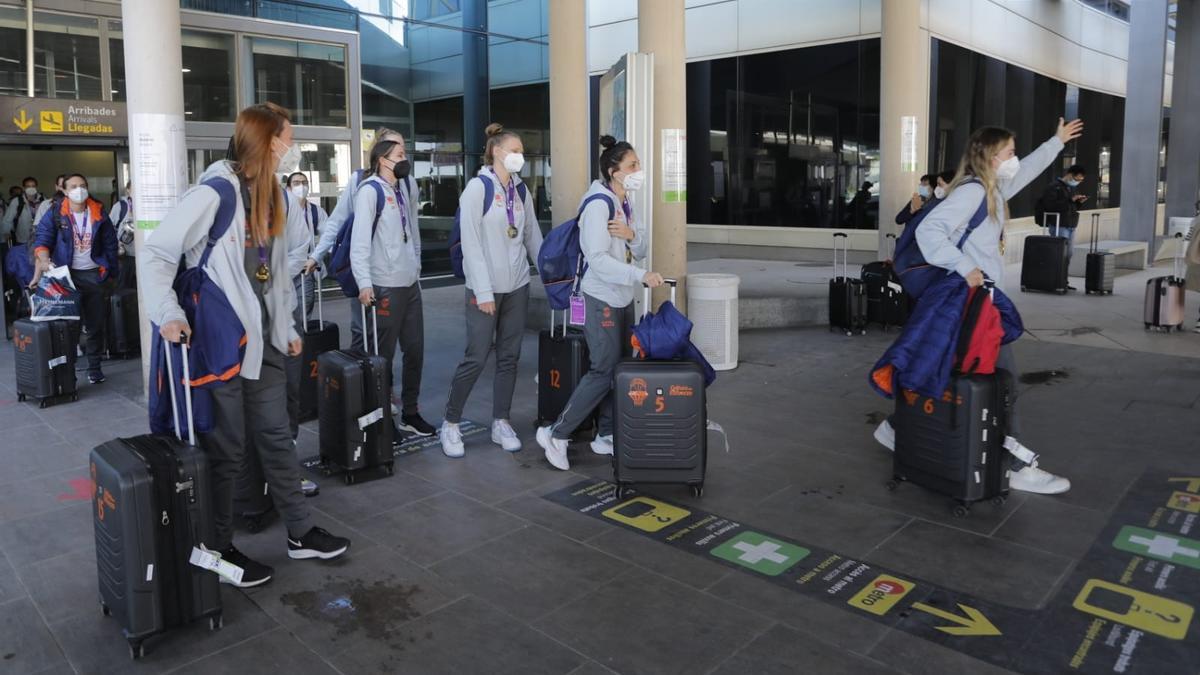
(628, 211)
(402, 205)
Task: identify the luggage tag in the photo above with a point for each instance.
(210, 560)
(578, 310)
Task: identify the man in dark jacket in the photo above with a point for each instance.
(78, 234)
(1060, 197)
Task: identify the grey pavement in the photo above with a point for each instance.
(460, 566)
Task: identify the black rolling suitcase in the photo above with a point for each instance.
(887, 303)
(1044, 265)
(319, 337)
(563, 360)
(660, 421)
(123, 336)
(152, 510)
(355, 410)
(1101, 265)
(44, 354)
(847, 296)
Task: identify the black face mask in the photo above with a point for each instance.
(402, 169)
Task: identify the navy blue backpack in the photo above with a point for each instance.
(560, 262)
(456, 254)
(339, 256)
(915, 273)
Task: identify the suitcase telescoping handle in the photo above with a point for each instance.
(673, 283)
(187, 390)
(1057, 221)
(566, 314)
(845, 241)
(1179, 267)
(1095, 233)
(891, 238)
(303, 300)
(374, 325)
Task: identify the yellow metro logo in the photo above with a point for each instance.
(51, 121)
(881, 595)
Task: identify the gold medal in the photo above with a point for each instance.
(1002, 245)
(263, 273)
(512, 232)
(628, 255)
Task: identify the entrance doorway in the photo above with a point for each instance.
(101, 166)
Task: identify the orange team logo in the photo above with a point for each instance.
(607, 312)
(910, 397)
(637, 391)
(21, 341)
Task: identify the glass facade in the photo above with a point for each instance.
(785, 139)
(12, 52)
(306, 78)
(66, 52)
(208, 74)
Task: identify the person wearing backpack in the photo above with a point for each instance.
(610, 282)
(231, 228)
(313, 217)
(19, 218)
(54, 202)
(121, 216)
(976, 206)
(499, 239)
(385, 258)
(343, 213)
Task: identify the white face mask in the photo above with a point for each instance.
(1071, 182)
(939, 192)
(300, 191)
(634, 181)
(31, 192)
(514, 162)
(78, 195)
(1008, 168)
(923, 190)
(290, 161)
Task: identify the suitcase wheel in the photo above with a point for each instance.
(999, 500)
(105, 610)
(698, 491)
(20, 398)
(216, 622)
(960, 510)
(622, 491)
(42, 403)
(349, 478)
(892, 485)
(389, 469)
(74, 397)
(136, 650)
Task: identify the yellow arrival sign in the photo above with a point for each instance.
(53, 117)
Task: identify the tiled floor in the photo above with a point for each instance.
(460, 566)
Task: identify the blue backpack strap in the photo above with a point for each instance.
(582, 265)
(224, 217)
(981, 214)
(379, 204)
(489, 191)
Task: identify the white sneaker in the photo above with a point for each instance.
(1197, 328)
(504, 436)
(556, 449)
(452, 443)
(1033, 479)
(886, 435)
(603, 445)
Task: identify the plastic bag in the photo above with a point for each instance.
(55, 296)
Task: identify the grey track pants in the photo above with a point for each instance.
(259, 405)
(401, 320)
(606, 330)
(506, 328)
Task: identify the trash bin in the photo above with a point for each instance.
(713, 310)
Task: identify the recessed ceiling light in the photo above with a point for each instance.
(187, 70)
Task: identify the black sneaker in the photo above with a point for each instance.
(95, 377)
(253, 573)
(415, 424)
(317, 544)
(1071, 288)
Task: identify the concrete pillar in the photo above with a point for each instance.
(570, 128)
(1143, 119)
(661, 32)
(1183, 150)
(903, 110)
(476, 105)
(157, 140)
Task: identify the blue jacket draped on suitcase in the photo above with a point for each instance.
(922, 357)
(666, 335)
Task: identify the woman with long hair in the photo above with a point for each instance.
(499, 239)
(609, 287)
(990, 173)
(249, 266)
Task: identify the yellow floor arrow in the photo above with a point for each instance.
(23, 122)
(974, 623)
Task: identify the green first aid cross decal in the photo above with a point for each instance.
(761, 553)
(1159, 545)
